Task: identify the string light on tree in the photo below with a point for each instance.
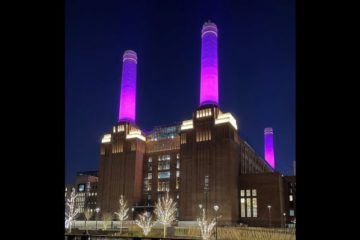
(72, 211)
(122, 214)
(165, 211)
(206, 227)
(145, 222)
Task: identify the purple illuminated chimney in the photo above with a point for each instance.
(127, 106)
(209, 65)
(269, 147)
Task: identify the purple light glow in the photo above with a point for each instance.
(269, 147)
(127, 107)
(209, 65)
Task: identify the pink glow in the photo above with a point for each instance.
(127, 108)
(269, 147)
(209, 65)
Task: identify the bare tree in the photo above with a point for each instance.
(206, 227)
(165, 211)
(87, 215)
(106, 220)
(145, 222)
(71, 211)
(122, 214)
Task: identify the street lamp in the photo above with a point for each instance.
(132, 213)
(284, 220)
(216, 208)
(200, 207)
(269, 207)
(97, 210)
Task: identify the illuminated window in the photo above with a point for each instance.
(242, 203)
(149, 175)
(203, 113)
(248, 207)
(164, 175)
(178, 163)
(177, 155)
(150, 159)
(114, 129)
(177, 173)
(248, 203)
(254, 192)
(121, 128)
(177, 183)
(291, 198)
(291, 212)
(254, 207)
(177, 196)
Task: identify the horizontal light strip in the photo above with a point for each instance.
(187, 124)
(135, 134)
(106, 138)
(226, 118)
(202, 35)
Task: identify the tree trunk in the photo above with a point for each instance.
(85, 226)
(120, 227)
(164, 230)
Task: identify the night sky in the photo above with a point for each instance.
(256, 49)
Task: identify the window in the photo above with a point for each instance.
(242, 203)
(178, 164)
(164, 165)
(164, 158)
(291, 212)
(164, 175)
(248, 203)
(150, 159)
(149, 175)
(291, 198)
(178, 173)
(163, 186)
(114, 129)
(254, 192)
(81, 188)
(254, 205)
(177, 155)
(121, 128)
(177, 183)
(203, 113)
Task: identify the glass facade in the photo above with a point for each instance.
(165, 132)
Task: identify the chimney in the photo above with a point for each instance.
(209, 65)
(127, 108)
(269, 147)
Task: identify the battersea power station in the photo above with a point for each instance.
(201, 161)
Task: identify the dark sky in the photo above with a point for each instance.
(256, 48)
